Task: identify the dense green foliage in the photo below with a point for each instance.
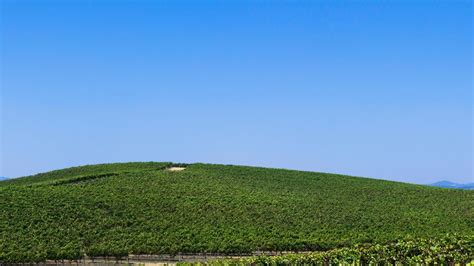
(142, 208)
(444, 251)
(85, 171)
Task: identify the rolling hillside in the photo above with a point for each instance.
(144, 208)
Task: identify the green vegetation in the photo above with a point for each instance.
(445, 251)
(142, 208)
(84, 171)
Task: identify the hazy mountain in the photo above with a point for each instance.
(449, 184)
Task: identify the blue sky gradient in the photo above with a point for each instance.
(380, 89)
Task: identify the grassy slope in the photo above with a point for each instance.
(141, 208)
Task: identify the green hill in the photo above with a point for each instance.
(144, 208)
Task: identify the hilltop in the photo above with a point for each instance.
(144, 208)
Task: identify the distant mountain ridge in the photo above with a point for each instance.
(3, 178)
(449, 184)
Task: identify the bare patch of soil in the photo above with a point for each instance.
(175, 169)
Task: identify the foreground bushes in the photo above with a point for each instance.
(446, 251)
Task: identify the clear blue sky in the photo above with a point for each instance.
(370, 88)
